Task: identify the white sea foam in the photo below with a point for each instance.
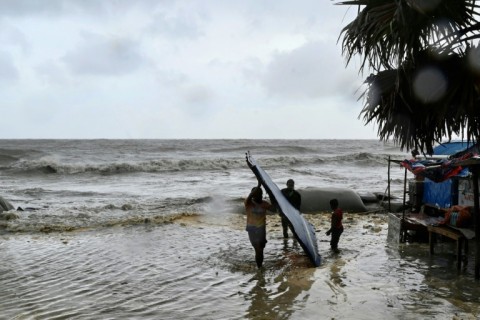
(68, 179)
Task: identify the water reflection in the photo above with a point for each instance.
(336, 280)
(436, 277)
(278, 292)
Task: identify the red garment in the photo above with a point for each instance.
(337, 217)
(458, 216)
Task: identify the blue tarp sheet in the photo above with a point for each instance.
(438, 193)
(450, 148)
(441, 193)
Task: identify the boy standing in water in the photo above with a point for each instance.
(256, 209)
(336, 227)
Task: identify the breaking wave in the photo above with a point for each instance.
(163, 165)
(83, 215)
(54, 166)
(36, 222)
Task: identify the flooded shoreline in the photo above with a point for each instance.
(202, 267)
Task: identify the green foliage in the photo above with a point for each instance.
(426, 65)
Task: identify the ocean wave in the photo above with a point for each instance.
(39, 192)
(55, 166)
(6, 159)
(19, 153)
(362, 159)
(85, 217)
(17, 222)
(162, 165)
(267, 149)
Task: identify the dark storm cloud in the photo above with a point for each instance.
(55, 7)
(13, 37)
(104, 55)
(197, 100)
(50, 7)
(311, 71)
(8, 70)
(178, 25)
(206, 64)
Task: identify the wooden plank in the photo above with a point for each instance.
(447, 232)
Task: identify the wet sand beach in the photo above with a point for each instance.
(202, 267)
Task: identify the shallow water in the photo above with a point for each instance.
(202, 267)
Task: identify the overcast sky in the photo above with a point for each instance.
(177, 69)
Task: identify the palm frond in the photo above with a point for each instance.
(412, 122)
(401, 39)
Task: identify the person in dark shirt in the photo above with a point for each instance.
(295, 199)
(415, 154)
(336, 228)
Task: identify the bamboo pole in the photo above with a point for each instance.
(388, 186)
(476, 220)
(404, 193)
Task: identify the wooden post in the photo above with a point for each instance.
(476, 217)
(404, 192)
(388, 186)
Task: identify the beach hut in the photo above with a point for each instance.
(441, 189)
(447, 179)
(431, 188)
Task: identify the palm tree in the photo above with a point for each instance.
(426, 82)
(425, 59)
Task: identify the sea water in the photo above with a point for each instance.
(154, 229)
(91, 183)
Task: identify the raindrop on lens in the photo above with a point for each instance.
(430, 85)
(474, 60)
